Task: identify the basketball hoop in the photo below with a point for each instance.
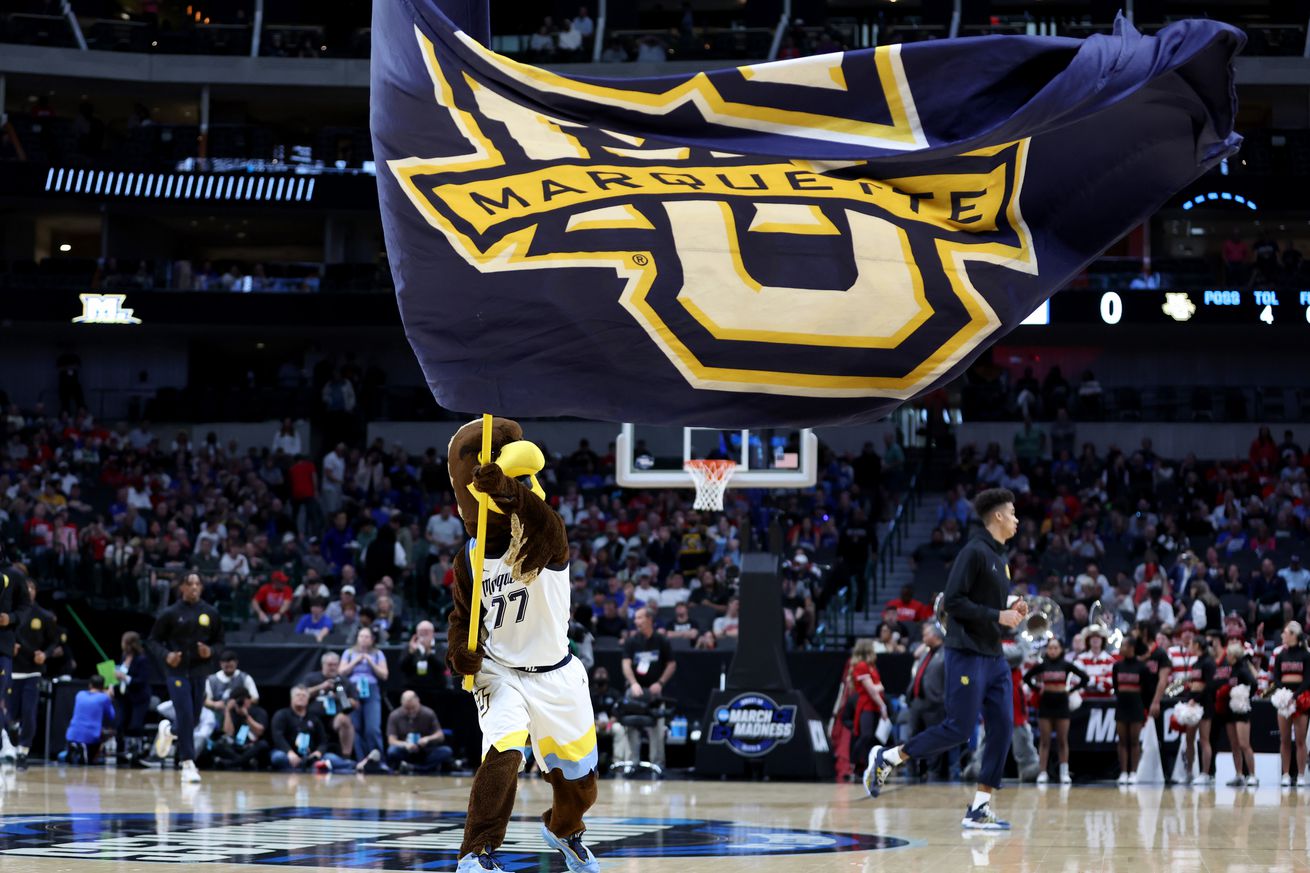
(711, 478)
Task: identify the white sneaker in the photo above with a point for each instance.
(372, 757)
(1286, 781)
(1123, 779)
(189, 772)
(1043, 778)
(1132, 778)
(1066, 779)
(1235, 782)
(164, 739)
(1202, 779)
(1302, 782)
(1252, 782)
(8, 753)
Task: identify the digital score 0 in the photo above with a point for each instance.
(1148, 307)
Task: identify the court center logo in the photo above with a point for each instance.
(753, 724)
(374, 839)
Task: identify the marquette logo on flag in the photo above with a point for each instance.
(751, 274)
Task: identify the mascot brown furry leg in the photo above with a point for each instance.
(526, 683)
(491, 801)
(570, 801)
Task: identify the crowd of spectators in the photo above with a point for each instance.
(1152, 538)
(352, 551)
(1143, 564)
(278, 538)
(569, 40)
(1262, 263)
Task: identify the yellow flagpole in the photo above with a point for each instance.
(479, 550)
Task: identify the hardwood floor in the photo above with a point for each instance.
(97, 819)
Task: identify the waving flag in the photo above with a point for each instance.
(796, 243)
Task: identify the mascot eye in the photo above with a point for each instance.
(525, 481)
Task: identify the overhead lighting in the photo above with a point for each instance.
(65, 247)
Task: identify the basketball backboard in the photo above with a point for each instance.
(652, 457)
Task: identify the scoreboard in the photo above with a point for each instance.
(1267, 308)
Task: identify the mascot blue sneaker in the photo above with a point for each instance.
(479, 863)
(577, 857)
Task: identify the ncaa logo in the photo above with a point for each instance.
(753, 724)
(749, 273)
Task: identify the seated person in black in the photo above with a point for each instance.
(299, 741)
(242, 741)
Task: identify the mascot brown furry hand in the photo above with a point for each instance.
(532, 695)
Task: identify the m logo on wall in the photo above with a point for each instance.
(105, 309)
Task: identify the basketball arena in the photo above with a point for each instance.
(742, 435)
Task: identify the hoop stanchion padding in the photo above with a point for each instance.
(711, 478)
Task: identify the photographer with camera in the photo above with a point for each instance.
(242, 743)
(333, 700)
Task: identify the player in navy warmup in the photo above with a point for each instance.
(977, 675)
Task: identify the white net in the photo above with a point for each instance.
(711, 478)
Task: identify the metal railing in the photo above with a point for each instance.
(837, 622)
(893, 541)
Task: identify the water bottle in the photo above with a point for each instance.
(678, 730)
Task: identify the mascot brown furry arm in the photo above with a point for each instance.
(532, 539)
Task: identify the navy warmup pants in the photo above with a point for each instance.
(24, 697)
(974, 684)
(6, 681)
(188, 696)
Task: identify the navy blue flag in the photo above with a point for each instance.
(806, 242)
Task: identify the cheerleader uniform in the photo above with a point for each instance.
(1292, 669)
(1053, 677)
(1240, 674)
(1202, 672)
(1219, 679)
(1152, 664)
(1129, 677)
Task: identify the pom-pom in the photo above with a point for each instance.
(1188, 713)
(1284, 702)
(1239, 700)
(1221, 699)
(1303, 702)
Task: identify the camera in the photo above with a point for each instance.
(344, 703)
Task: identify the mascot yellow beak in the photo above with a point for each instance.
(520, 460)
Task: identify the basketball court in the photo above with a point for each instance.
(103, 819)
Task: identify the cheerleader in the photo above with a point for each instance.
(1153, 650)
(1053, 676)
(1199, 674)
(1292, 671)
(1235, 671)
(1129, 677)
